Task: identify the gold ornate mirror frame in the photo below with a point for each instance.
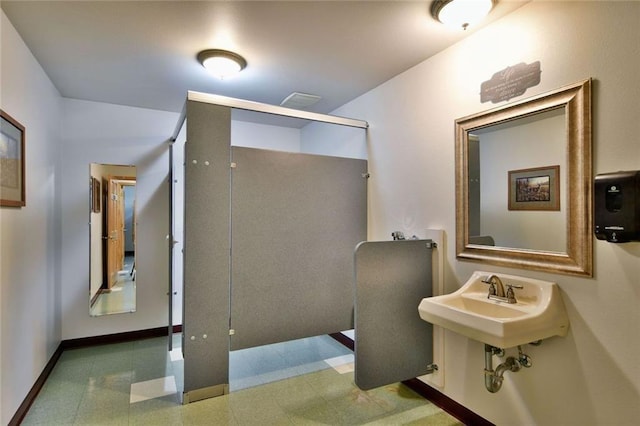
(578, 257)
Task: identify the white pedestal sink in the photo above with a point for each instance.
(539, 312)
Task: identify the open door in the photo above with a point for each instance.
(392, 343)
(115, 226)
(115, 232)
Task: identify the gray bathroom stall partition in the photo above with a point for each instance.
(295, 220)
(392, 343)
(268, 246)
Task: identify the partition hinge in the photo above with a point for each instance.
(431, 244)
(432, 368)
(366, 175)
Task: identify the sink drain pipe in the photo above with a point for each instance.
(493, 379)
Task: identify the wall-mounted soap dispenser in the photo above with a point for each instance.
(617, 206)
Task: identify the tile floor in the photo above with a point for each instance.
(304, 382)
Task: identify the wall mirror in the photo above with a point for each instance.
(112, 235)
(523, 183)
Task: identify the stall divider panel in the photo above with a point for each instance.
(392, 343)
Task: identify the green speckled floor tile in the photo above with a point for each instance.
(138, 383)
(159, 411)
(438, 419)
(397, 397)
(58, 411)
(214, 411)
(317, 412)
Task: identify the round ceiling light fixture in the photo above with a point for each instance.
(221, 63)
(460, 13)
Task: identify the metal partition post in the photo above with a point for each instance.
(206, 252)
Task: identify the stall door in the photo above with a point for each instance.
(296, 219)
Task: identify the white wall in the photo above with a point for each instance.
(264, 136)
(95, 132)
(335, 140)
(29, 236)
(592, 376)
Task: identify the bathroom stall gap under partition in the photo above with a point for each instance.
(269, 241)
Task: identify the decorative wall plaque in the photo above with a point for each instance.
(510, 82)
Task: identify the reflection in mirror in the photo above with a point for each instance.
(112, 224)
(522, 144)
(523, 183)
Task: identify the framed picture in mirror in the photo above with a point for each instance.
(534, 189)
(95, 195)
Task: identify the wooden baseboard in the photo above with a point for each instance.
(118, 337)
(19, 415)
(455, 409)
(345, 340)
(94, 299)
(35, 389)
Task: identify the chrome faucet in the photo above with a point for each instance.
(496, 290)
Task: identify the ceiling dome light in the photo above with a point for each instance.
(460, 13)
(222, 63)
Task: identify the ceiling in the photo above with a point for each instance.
(143, 53)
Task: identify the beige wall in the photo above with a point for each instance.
(592, 376)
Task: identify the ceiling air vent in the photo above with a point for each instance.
(300, 100)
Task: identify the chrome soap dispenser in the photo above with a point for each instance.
(617, 206)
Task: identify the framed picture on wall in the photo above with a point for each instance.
(12, 162)
(534, 189)
(95, 195)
